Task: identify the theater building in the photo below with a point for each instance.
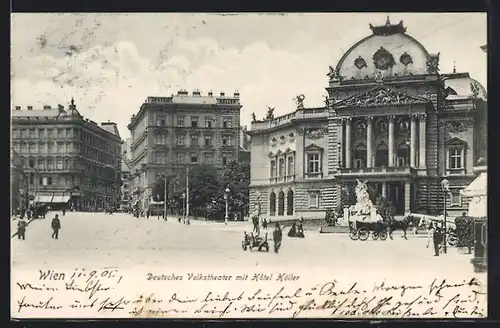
(391, 119)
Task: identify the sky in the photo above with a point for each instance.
(110, 63)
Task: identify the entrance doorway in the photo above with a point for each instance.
(396, 193)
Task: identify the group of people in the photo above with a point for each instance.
(22, 225)
(296, 230)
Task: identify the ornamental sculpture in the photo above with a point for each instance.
(313, 133)
(254, 119)
(405, 59)
(474, 88)
(360, 62)
(433, 64)
(381, 97)
(270, 113)
(334, 74)
(456, 127)
(300, 101)
(383, 59)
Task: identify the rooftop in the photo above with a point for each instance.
(196, 98)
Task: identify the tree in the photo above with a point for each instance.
(385, 208)
(347, 198)
(236, 177)
(465, 232)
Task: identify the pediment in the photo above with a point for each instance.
(379, 97)
(313, 147)
(456, 141)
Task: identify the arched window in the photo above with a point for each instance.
(403, 155)
(360, 156)
(281, 203)
(272, 204)
(382, 157)
(289, 202)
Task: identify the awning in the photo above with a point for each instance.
(478, 187)
(43, 199)
(61, 199)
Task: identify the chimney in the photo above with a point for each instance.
(196, 93)
(30, 107)
(210, 93)
(47, 107)
(236, 94)
(222, 94)
(182, 92)
(18, 107)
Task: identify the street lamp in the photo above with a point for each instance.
(226, 198)
(184, 206)
(446, 187)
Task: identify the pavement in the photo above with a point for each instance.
(122, 240)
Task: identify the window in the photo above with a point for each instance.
(180, 140)
(41, 133)
(281, 203)
(32, 148)
(224, 160)
(289, 202)
(59, 164)
(67, 164)
(194, 140)
(60, 148)
(69, 147)
(23, 133)
(14, 133)
(180, 121)
(49, 180)
(358, 163)
(272, 204)
(208, 122)
(23, 148)
(208, 158)
(160, 158)
(161, 120)
(313, 199)
(455, 198)
(194, 158)
(161, 139)
(455, 158)
(227, 123)
(41, 148)
(32, 133)
(291, 166)
(208, 140)
(50, 164)
(273, 169)
(194, 121)
(41, 165)
(313, 163)
(226, 140)
(60, 133)
(180, 158)
(69, 133)
(281, 170)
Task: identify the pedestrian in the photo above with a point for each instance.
(255, 221)
(437, 239)
(21, 229)
(56, 226)
(148, 213)
(293, 230)
(277, 237)
(264, 223)
(300, 229)
(430, 234)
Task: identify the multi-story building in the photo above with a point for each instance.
(70, 161)
(169, 133)
(391, 119)
(18, 183)
(127, 149)
(125, 190)
(244, 154)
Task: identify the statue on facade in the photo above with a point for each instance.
(270, 113)
(300, 101)
(433, 64)
(254, 119)
(327, 101)
(363, 202)
(333, 74)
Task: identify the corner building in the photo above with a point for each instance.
(392, 119)
(69, 161)
(170, 133)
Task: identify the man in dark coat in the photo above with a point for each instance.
(437, 239)
(56, 226)
(21, 229)
(277, 237)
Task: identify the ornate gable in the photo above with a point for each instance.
(379, 97)
(313, 147)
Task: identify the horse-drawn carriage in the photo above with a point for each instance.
(251, 241)
(363, 230)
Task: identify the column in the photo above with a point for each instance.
(348, 145)
(407, 197)
(369, 142)
(391, 141)
(384, 189)
(413, 136)
(422, 141)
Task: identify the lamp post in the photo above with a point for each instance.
(164, 175)
(226, 198)
(446, 187)
(184, 206)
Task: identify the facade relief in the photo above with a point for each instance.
(313, 133)
(381, 97)
(456, 129)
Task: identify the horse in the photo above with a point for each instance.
(402, 225)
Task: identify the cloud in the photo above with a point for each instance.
(111, 82)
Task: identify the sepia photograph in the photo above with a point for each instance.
(249, 165)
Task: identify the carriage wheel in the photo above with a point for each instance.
(363, 234)
(382, 235)
(375, 235)
(353, 235)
